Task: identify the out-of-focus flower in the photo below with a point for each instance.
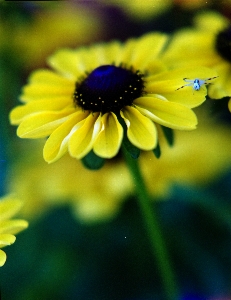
(56, 25)
(140, 10)
(196, 159)
(9, 206)
(93, 195)
(208, 44)
(149, 9)
(99, 92)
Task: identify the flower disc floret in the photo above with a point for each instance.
(109, 88)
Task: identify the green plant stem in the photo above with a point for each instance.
(153, 229)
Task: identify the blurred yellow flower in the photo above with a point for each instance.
(97, 93)
(196, 159)
(140, 10)
(58, 24)
(149, 9)
(208, 44)
(9, 206)
(93, 195)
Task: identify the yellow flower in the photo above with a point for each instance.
(60, 25)
(208, 44)
(149, 9)
(143, 11)
(9, 206)
(140, 10)
(52, 25)
(97, 93)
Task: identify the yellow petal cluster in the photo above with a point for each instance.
(9, 206)
(195, 160)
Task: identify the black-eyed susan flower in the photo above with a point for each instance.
(9, 206)
(97, 95)
(208, 44)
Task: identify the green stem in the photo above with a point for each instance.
(153, 229)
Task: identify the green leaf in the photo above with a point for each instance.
(157, 151)
(131, 149)
(169, 135)
(92, 161)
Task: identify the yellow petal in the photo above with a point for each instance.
(166, 84)
(180, 73)
(68, 63)
(57, 144)
(141, 131)
(45, 76)
(81, 141)
(221, 86)
(154, 41)
(192, 48)
(12, 226)
(113, 49)
(186, 95)
(42, 124)
(2, 258)
(9, 207)
(19, 112)
(170, 114)
(100, 54)
(6, 240)
(43, 83)
(45, 91)
(211, 21)
(110, 137)
(135, 50)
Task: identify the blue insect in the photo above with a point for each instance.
(196, 83)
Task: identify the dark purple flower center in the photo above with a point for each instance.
(223, 44)
(108, 89)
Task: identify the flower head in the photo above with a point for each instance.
(208, 44)
(8, 228)
(97, 95)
